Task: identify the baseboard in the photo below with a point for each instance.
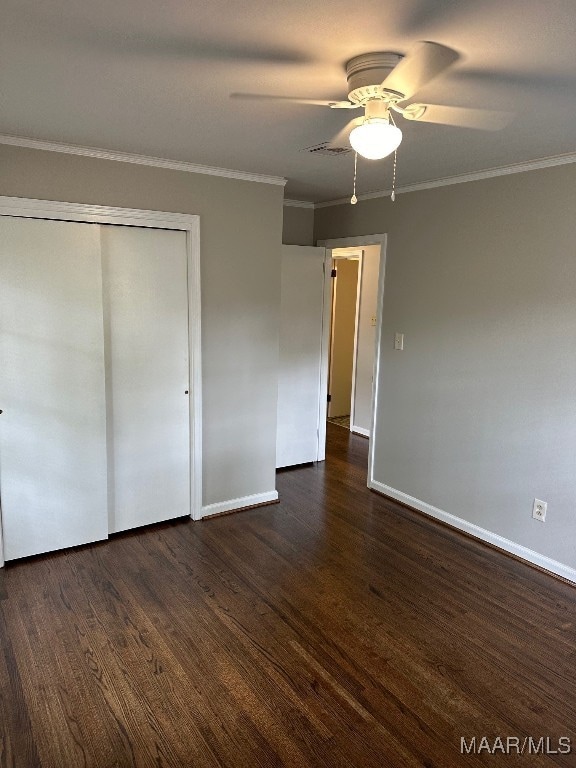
(360, 431)
(495, 540)
(233, 505)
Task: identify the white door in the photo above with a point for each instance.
(146, 329)
(53, 425)
(299, 384)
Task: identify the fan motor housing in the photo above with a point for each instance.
(365, 75)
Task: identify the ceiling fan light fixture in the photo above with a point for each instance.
(375, 138)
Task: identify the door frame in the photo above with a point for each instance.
(358, 255)
(132, 217)
(356, 242)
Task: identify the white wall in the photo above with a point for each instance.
(240, 229)
(478, 413)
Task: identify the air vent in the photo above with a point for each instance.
(326, 149)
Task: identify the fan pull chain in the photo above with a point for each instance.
(393, 194)
(354, 199)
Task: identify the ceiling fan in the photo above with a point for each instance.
(380, 83)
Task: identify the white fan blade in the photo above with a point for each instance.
(291, 99)
(342, 137)
(419, 67)
(482, 119)
(344, 105)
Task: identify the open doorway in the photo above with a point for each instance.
(345, 275)
(354, 304)
(305, 340)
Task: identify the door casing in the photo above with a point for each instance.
(355, 242)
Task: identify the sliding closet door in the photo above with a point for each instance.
(53, 428)
(144, 273)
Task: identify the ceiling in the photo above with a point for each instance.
(154, 78)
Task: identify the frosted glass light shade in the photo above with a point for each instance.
(375, 139)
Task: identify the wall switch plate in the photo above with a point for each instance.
(399, 341)
(539, 509)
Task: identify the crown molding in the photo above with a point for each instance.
(95, 214)
(489, 173)
(127, 157)
(180, 165)
(298, 204)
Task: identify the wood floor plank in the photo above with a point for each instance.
(309, 607)
(336, 629)
(17, 744)
(3, 594)
(201, 636)
(240, 623)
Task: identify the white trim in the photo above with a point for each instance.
(128, 157)
(489, 173)
(377, 353)
(356, 334)
(298, 204)
(535, 558)
(231, 505)
(345, 254)
(350, 242)
(362, 241)
(97, 214)
(195, 361)
(94, 214)
(361, 197)
(181, 165)
(360, 431)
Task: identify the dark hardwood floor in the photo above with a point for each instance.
(333, 629)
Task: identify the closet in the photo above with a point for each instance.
(94, 381)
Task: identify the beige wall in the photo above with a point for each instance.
(241, 224)
(343, 332)
(477, 415)
(298, 226)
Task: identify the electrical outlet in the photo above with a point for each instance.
(399, 341)
(539, 510)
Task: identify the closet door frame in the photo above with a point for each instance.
(97, 214)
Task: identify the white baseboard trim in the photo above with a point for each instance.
(244, 501)
(360, 431)
(494, 539)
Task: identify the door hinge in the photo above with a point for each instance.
(333, 273)
(329, 398)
